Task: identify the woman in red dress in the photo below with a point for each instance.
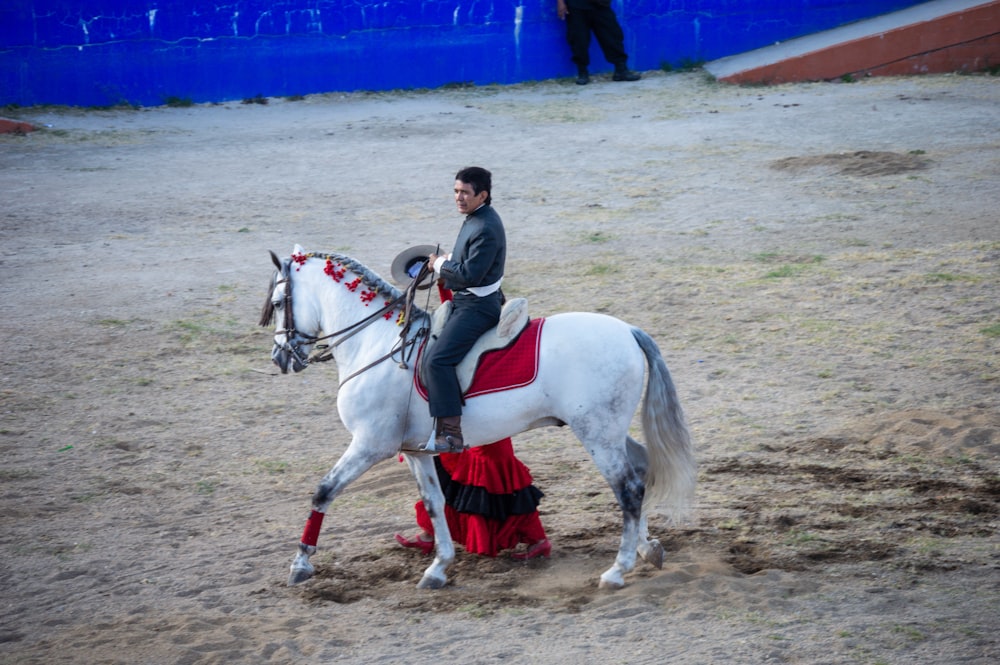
(490, 504)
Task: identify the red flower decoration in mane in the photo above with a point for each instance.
(368, 296)
(337, 271)
(353, 286)
(388, 314)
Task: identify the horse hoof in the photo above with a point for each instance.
(652, 553)
(432, 582)
(300, 574)
(611, 581)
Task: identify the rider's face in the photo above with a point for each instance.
(466, 199)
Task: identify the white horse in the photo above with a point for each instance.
(590, 378)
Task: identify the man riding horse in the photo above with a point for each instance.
(473, 271)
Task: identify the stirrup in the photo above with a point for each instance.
(444, 445)
(446, 436)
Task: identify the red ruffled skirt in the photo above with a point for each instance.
(491, 504)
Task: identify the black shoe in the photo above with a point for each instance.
(626, 75)
(583, 78)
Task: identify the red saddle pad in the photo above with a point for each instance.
(514, 366)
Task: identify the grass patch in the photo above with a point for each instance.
(909, 632)
(785, 271)
(64, 552)
(178, 102)
(991, 331)
(792, 265)
(684, 65)
(600, 269)
(271, 467)
(796, 537)
(227, 333)
(597, 237)
(112, 323)
(86, 497)
(475, 611)
(18, 474)
(189, 331)
(947, 277)
(783, 257)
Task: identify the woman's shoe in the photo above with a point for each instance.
(541, 548)
(425, 546)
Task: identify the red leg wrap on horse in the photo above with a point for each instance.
(311, 533)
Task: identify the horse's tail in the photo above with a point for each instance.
(672, 473)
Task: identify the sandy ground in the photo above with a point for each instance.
(819, 264)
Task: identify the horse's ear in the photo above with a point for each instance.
(298, 251)
(274, 258)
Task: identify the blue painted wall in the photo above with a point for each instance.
(103, 52)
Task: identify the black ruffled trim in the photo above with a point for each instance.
(471, 499)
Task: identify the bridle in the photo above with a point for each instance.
(295, 339)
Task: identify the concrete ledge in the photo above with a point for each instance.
(934, 37)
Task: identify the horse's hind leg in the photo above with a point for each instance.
(628, 488)
(626, 481)
(651, 551)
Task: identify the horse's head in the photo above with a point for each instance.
(296, 331)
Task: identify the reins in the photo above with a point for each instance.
(404, 347)
(349, 331)
(408, 342)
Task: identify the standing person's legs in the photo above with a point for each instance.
(609, 35)
(578, 37)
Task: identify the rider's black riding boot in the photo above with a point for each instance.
(449, 435)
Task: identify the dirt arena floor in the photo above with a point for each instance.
(818, 262)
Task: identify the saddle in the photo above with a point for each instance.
(513, 321)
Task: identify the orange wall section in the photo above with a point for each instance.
(963, 41)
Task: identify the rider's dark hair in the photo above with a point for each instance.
(480, 179)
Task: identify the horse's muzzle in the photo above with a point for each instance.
(288, 357)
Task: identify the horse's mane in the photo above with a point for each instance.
(267, 311)
(368, 278)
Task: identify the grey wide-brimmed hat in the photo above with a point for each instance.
(406, 266)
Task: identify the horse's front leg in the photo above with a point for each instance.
(348, 468)
(422, 468)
